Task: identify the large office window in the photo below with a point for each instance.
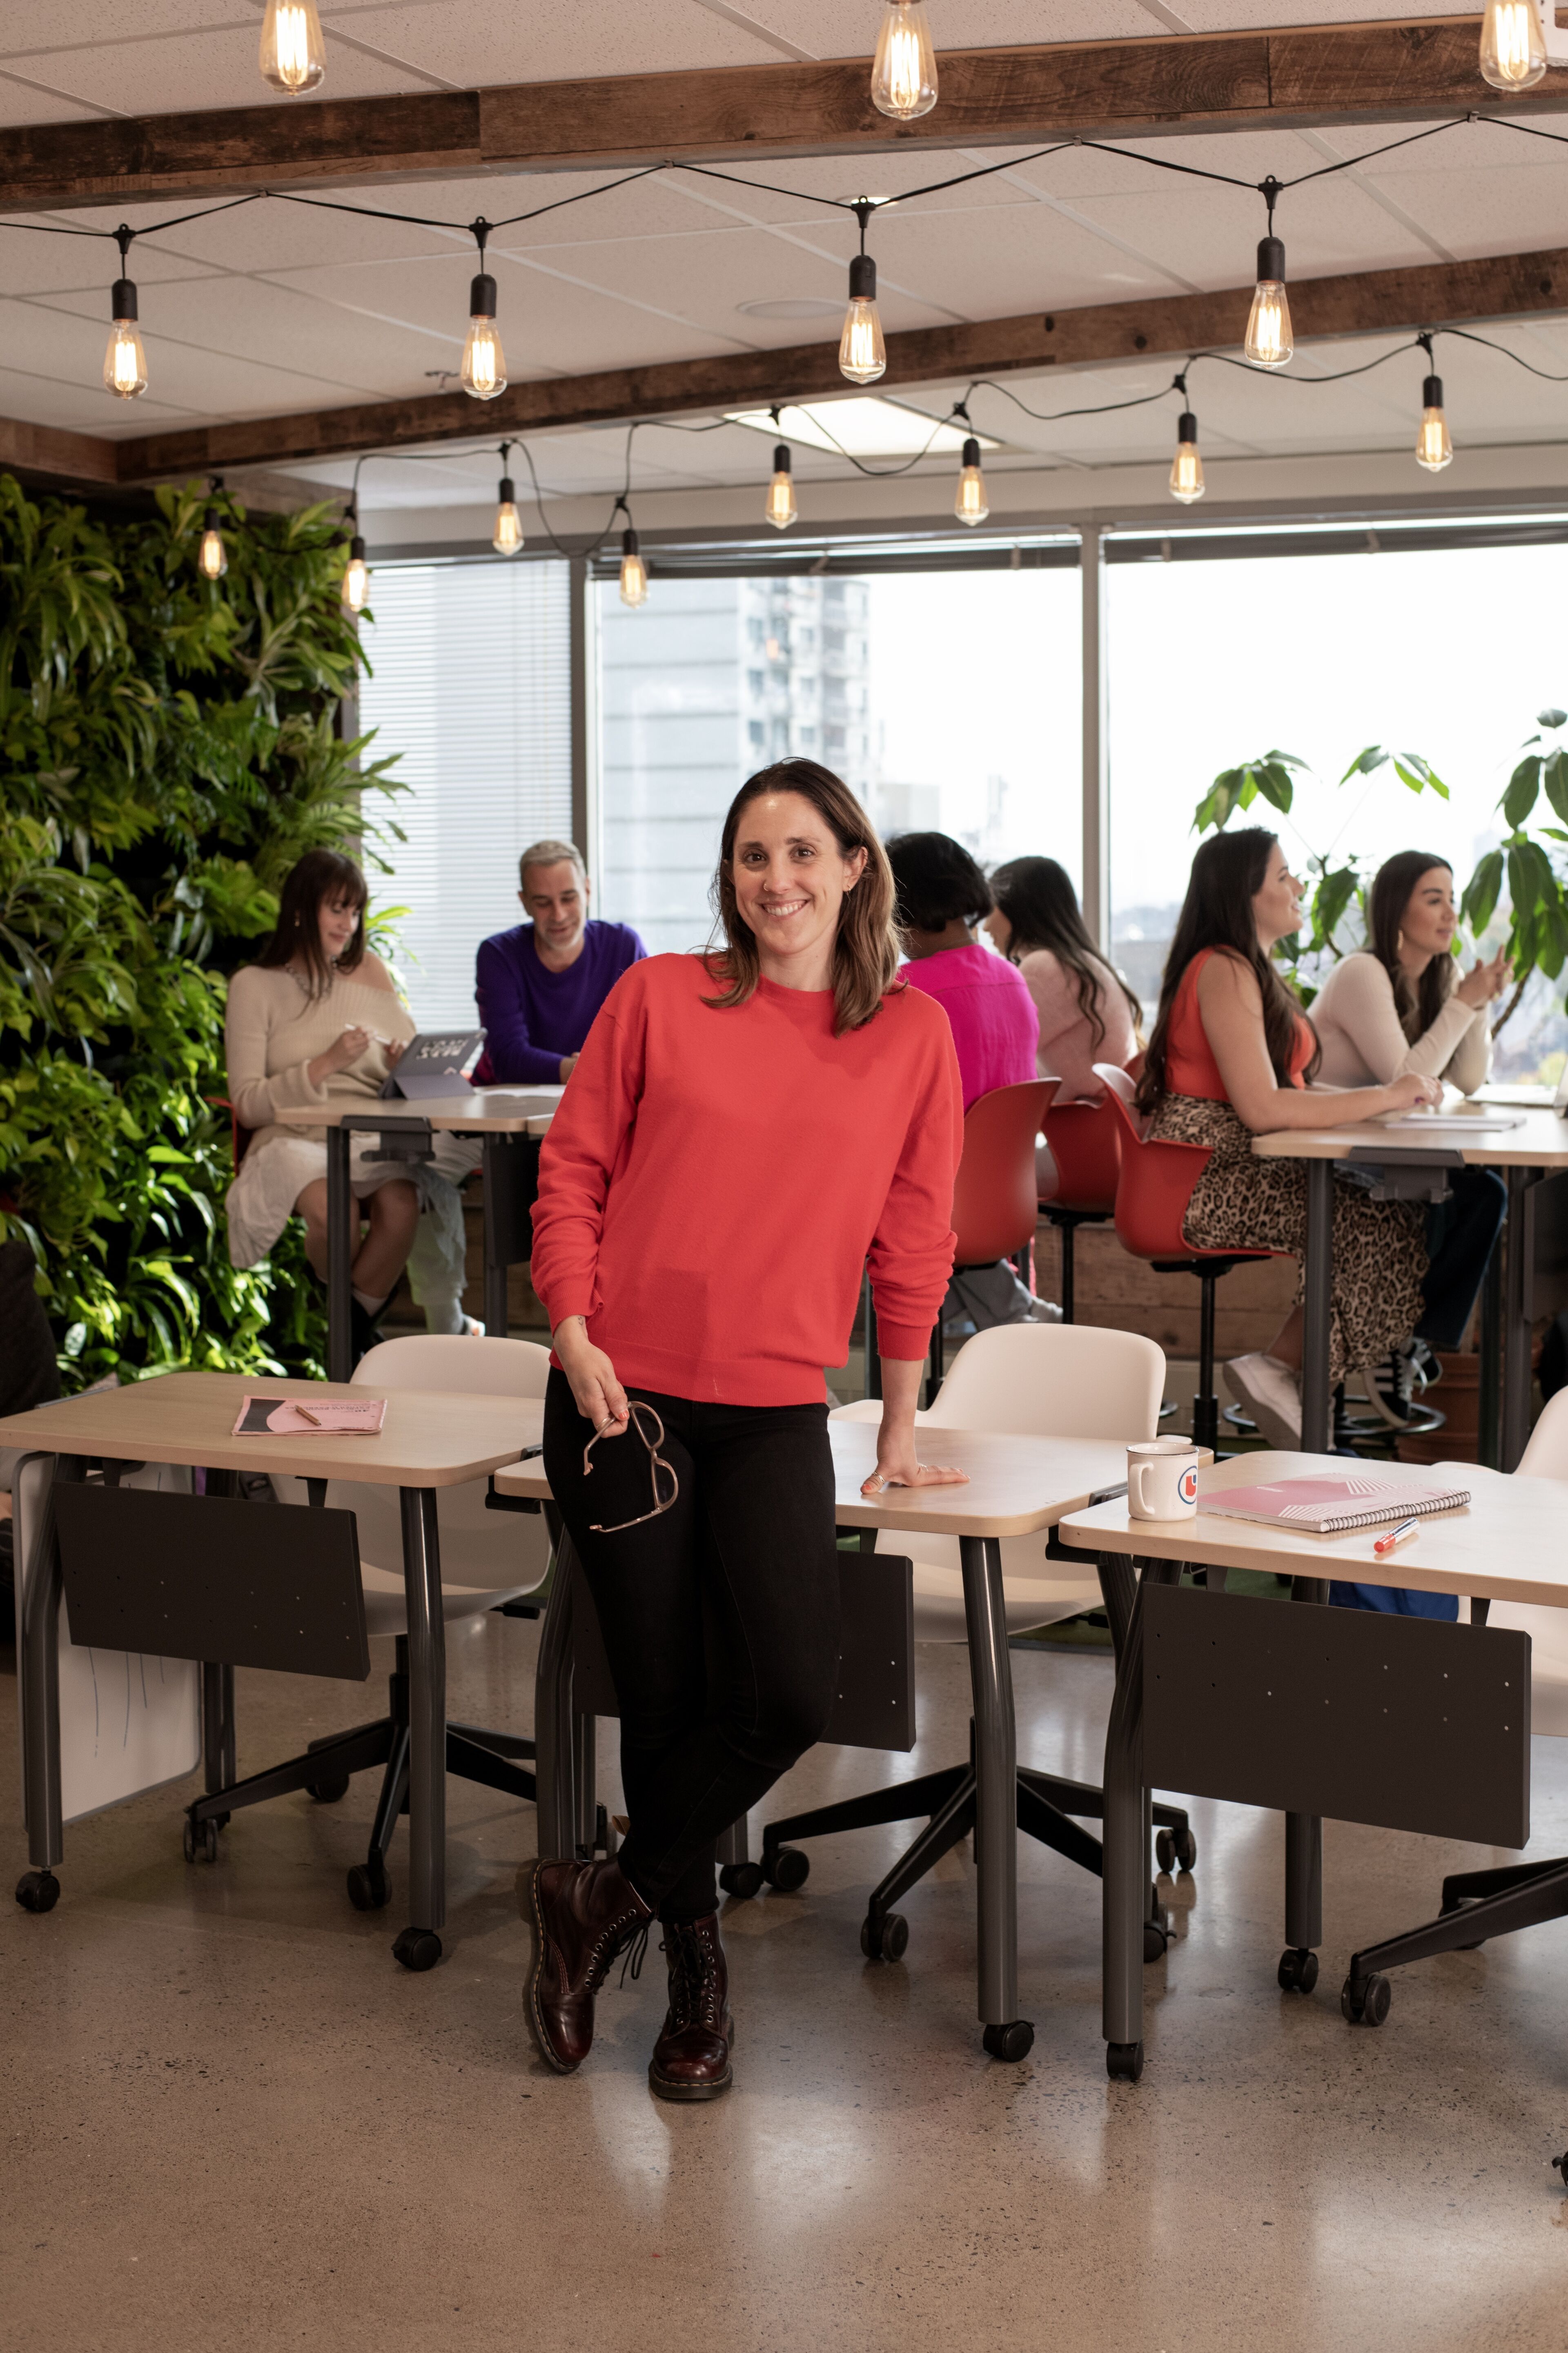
(471, 687)
(1448, 653)
(946, 700)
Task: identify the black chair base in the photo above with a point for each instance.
(1476, 1906)
(1047, 1807)
(1067, 1223)
(1208, 1270)
(328, 1764)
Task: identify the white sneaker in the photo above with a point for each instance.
(1268, 1391)
(1044, 1311)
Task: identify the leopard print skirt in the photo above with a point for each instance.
(1243, 1203)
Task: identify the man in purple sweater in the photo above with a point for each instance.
(539, 986)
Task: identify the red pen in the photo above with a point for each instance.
(1395, 1536)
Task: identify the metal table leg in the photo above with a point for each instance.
(1516, 1374)
(1008, 2036)
(340, 1256)
(1124, 1895)
(39, 1890)
(1490, 1342)
(1316, 1401)
(554, 1761)
(497, 1170)
(419, 1944)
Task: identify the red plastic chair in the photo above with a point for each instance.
(1157, 1182)
(1085, 1142)
(996, 1198)
(239, 1137)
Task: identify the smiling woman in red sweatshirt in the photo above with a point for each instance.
(744, 1130)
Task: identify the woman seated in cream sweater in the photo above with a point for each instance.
(1087, 1013)
(1398, 1005)
(316, 1019)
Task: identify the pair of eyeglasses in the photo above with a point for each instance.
(660, 1470)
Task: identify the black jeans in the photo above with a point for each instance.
(719, 1618)
(1461, 1235)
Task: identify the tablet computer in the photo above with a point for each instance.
(434, 1064)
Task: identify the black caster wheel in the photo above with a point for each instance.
(1012, 2042)
(38, 1891)
(1298, 1969)
(417, 1948)
(1175, 1850)
(329, 1789)
(1368, 2004)
(1125, 2061)
(887, 1939)
(1560, 2165)
(786, 1869)
(743, 1879)
(1156, 1939)
(369, 1886)
(200, 1842)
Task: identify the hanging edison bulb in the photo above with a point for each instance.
(969, 503)
(1186, 466)
(903, 73)
(862, 354)
(1513, 45)
(484, 362)
(293, 58)
(212, 555)
(779, 507)
(1433, 448)
(124, 360)
(1270, 340)
(634, 571)
(356, 576)
(507, 537)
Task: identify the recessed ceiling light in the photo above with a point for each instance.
(867, 427)
(804, 307)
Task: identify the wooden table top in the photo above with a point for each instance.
(468, 1110)
(1540, 1141)
(428, 1438)
(1017, 1484)
(1505, 1546)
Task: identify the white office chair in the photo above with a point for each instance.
(487, 1561)
(1042, 1380)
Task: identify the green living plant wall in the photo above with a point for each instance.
(1523, 875)
(169, 746)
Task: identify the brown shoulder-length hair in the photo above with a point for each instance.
(1393, 887)
(866, 952)
(1227, 873)
(320, 874)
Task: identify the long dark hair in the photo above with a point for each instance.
(866, 952)
(1393, 885)
(1041, 906)
(937, 882)
(1227, 873)
(320, 874)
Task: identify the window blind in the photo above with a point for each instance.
(471, 686)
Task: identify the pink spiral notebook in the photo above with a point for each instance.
(311, 1417)
(1324, 1505)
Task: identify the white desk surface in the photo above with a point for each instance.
(1540, 1141)
(470, 1110)
(1506, 1544)
(427, 1440)
(1017, 1484)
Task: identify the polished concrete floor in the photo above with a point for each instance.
(230, 2119)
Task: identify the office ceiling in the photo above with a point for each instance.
(274, 308)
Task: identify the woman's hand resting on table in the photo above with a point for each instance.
(898, 1457)
(1412, 1092)
(599, 1396)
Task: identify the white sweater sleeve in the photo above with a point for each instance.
(1364, 1042)
(256, 1097)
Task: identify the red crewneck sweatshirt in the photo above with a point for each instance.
(714, 1182)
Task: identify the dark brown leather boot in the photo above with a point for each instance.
(582, 1915)
(692, 2058)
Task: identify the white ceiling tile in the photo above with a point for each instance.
(1025, 259)
(199, 69)
(829, 28)
(32, 26)
(474, 42)
(21, 102)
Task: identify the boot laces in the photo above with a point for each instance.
(692, 1982)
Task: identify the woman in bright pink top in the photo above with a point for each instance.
(942, 895)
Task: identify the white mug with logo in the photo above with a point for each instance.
(1163, 1479)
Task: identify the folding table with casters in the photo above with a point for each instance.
(1405, 1722)
(1411, 1157)
(510, 1122)
(1018, 1486)
(180, 1576)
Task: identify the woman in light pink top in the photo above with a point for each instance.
(1087, 1013)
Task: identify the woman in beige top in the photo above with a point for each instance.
(1087, 1013)
(1397, 1006)
(314, 1019)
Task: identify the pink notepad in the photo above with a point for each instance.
(1324, 1505)
(310, 1417)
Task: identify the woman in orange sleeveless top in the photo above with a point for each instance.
(1232, 1057)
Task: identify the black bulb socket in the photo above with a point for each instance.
(971, 452)
(357, 549)
(628, 542)
(1432, 392)
(508, 491)
(210, 521)
(122, 301)
(1270, 260)
(780, 459)
(482, 297)
(862, 278)
(1187, 427)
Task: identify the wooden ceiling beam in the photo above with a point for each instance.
(1376, 302)
(1321, 76)
(62, 459)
